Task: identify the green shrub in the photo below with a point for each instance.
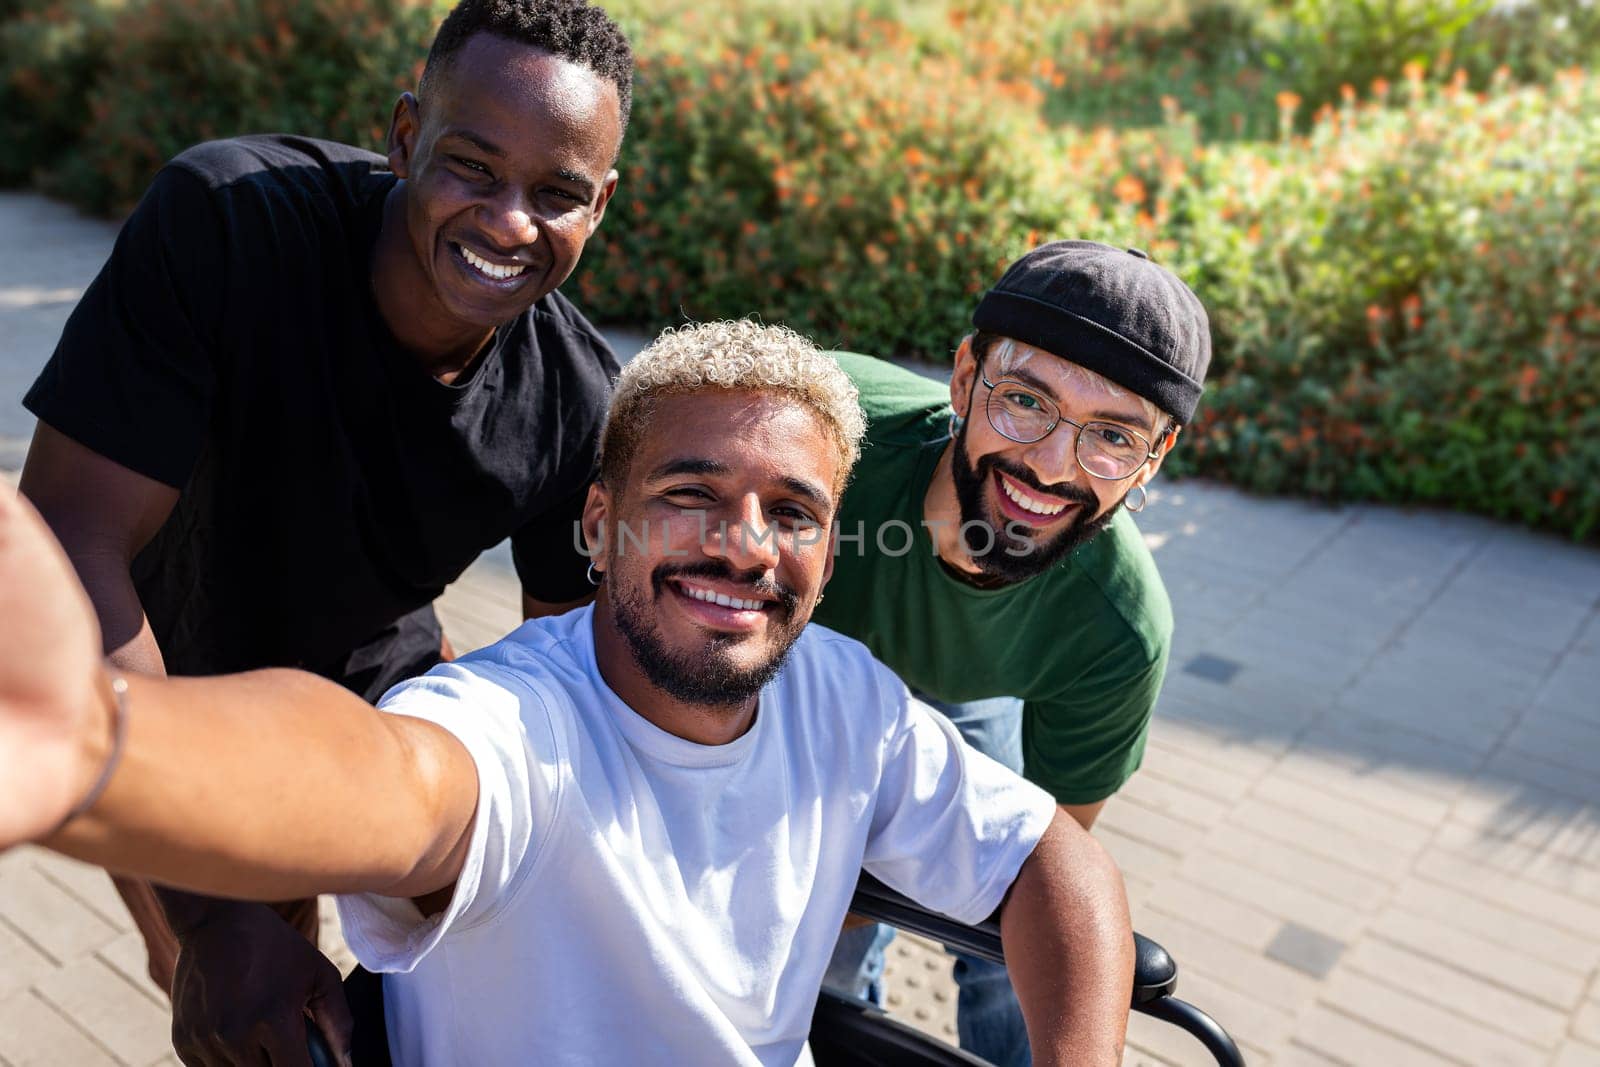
(51, 52)
(183, 71)
(1407, 305)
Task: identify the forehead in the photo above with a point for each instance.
(525, 99)
(1069, 383)
(756, 437)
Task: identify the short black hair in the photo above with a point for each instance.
(571, 29)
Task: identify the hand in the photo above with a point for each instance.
(55, 702)
(245, 985)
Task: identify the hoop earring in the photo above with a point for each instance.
(1144, 498)
(819, 599)
(595, 576)
(956, 423)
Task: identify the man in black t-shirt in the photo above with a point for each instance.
(308, 388)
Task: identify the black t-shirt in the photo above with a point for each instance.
(330, 487)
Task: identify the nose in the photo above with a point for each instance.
(508, 220)
(744, 538)
(1055, 458)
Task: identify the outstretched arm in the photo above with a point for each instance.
(267, 785)
(1069, 948)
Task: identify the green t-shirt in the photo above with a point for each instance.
(1083, 644)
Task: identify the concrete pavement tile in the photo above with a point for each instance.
(1488, 1003)
(1245, 924)
(59, 924)
(1586, 1024)
(33, 1034)
(1265, 696)
(1559, 740)
(1199, 951)
(1578, 879)
(1198, 810)
(1293, 1055)
(1267, 893)
(1499, 881)
(1572, 689)
(1517, 613)
(1353, 1041)
(1508, 968)
(1332, 879)
(1500, 925)
(1355, 817)
(1391, 1008)
(126, 955)
(1536, 818)
(1575, 1053)
(90, 885)
(1458, 720)
(21, 962)
(1148, 825)
(103, 1003)
(1353, 851)
(1168, 756)
(1475, 645)
(1136, 858)
(1247, 741)
(1513, 767)
(1133, 1056)
(1305, 949)
(1258, 1027)
(1343, 776)
(1373, 743)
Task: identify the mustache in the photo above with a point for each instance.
(756, 581)
(1061, 490)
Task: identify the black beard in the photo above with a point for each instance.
(705, 677)
(1007, 559)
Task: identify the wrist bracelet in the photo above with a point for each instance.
(119, 734)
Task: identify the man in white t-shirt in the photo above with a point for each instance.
(625, 835)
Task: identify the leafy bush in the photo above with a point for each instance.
(51, 52)
(1407, 305)
(182, 71)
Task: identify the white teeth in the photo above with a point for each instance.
(1029, 503)
(493, 270)
(721, 599)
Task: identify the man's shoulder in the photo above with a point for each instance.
(1116, 575)
(557, 321)
(825, 664)
(896, 400)
(278, 157)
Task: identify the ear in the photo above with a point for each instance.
(606, 189)
(1149, 470)
(405, 126)
(596, 512)
(964, 378)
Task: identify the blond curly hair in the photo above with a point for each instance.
(735, 354)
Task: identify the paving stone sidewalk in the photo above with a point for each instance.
(1368, 823)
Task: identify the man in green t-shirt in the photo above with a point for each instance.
(984, 554)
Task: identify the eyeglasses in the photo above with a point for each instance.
(1104, 449)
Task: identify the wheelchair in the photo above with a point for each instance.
(847, 1032)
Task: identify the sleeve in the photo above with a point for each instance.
(1084, 745)
(507, 730)
(951, 827)
(545, 551)
(134, 373)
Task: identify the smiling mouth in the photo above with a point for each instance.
(1030, 505)
(494, 272)
(723, 600)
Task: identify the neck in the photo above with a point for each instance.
(942, 512)
(410, 305)
(702, 724)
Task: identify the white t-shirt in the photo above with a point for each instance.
(631, 897)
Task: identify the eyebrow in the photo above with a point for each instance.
(1028, 378)
(798, 486)
(489, 148)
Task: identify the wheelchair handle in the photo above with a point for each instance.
(1155, 975)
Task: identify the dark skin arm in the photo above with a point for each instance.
(1069, 949)
(103, 514)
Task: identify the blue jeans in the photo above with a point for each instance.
(988, 1017)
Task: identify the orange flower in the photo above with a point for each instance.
(750, 228)
(1288, 101)
(1129, 190)
(1347, 93)
(1380, 87)
(1558, 497)
(1413, 71)
(913, 157)
(897, 206)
